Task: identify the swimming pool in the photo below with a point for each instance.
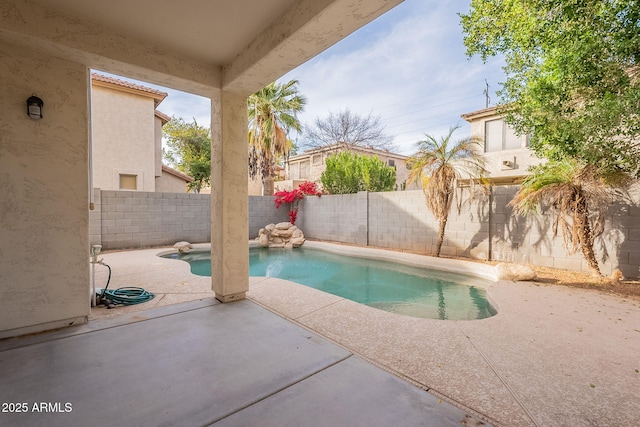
(390, 286)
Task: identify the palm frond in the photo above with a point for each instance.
(272, 112)
(439, 164)
(578, 194)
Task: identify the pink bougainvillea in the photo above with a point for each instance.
(294, 196)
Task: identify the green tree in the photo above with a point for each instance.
(348, 172)
(438, 166)
(189, 150)
(272, 113)
(578, 194)
(573, 74)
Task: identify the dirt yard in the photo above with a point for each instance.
(626, 288)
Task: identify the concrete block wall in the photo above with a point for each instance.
(262, 211)
(396, 220)
(621, 237)
(399, 220)
(467, 231)
(337, 218)
(517, 238)
(484, 227)
(133, 219)
(530, 239)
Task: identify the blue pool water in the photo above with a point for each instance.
(393, 287)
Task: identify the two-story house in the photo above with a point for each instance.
(507, 155)
(309, 165)
(126, 138)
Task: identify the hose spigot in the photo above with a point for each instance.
(95, 251)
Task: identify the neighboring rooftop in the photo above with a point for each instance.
(162, 116)
(345, 146)
(179, 174)
(489, 111)
(106, 81)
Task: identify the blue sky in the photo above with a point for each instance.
(408, 66)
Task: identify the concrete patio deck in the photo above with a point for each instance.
(203, 363)
(552, 356)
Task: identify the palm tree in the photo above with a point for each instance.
(272, 113)
(438, 165)
(579, 194)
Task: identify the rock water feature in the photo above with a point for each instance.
(281, 235)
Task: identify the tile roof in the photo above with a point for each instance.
(155, 93)
(177, 173)
(162, 116)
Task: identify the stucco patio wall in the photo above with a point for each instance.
(134, 219)
(400, 220)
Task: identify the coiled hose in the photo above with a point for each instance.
(128, 295)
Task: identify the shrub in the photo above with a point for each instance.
(348, 172)
(294, 196)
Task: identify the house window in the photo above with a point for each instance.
(293, 170)
(304, 169)
(499, 136)
(317, 160)
(128, 182)
(391, 163)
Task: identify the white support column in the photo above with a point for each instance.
(229, 197)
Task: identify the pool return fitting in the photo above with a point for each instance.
(128, 295)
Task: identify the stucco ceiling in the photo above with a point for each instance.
(192, 45)
(210, 31)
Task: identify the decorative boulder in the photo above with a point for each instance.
(617, 275)
(281, 235)
(514, 272)
(183, 247)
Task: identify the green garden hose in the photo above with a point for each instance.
(128, 295)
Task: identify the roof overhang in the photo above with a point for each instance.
(480, 114)
(177, 174)
(237, 46)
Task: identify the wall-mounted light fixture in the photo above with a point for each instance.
(34, 107)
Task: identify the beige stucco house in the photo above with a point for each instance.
(48, 47)
(507, 155)
(126, 138)
(309, 165)
(172, 181)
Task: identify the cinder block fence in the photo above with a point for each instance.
(480, 228)
(136, 219)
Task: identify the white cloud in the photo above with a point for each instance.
(409, 67)
(187, 106)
